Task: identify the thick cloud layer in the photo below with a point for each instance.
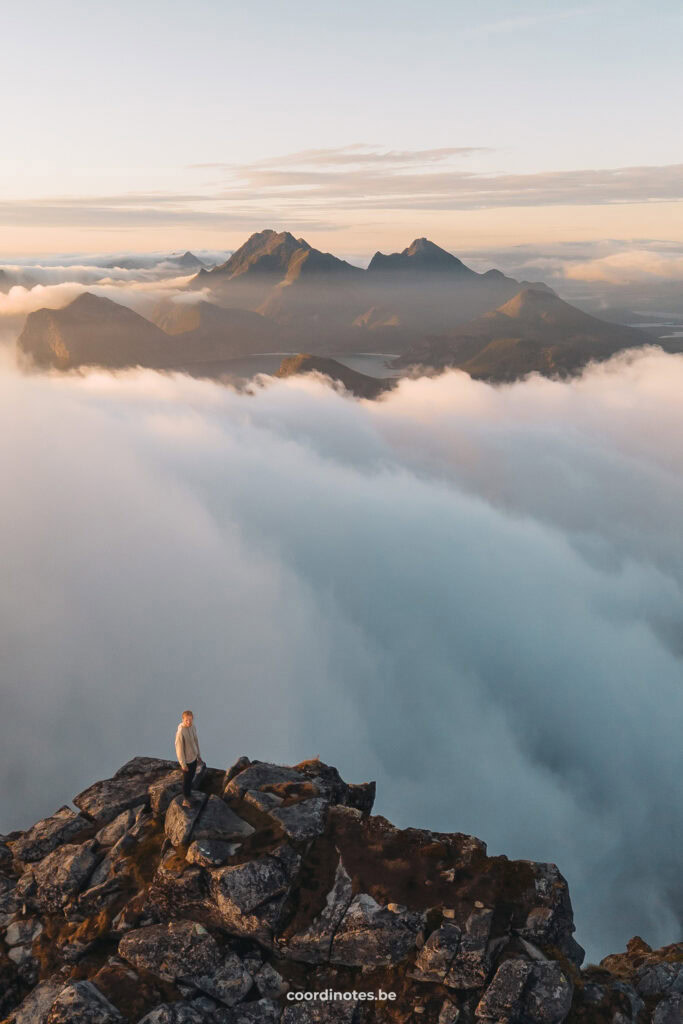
(141, 296)
(138, 280)
(472, 594)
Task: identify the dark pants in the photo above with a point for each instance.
(188, 777)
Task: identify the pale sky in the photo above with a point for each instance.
(361, 125)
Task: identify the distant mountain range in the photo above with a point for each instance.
(533, 331)
(187, 262)
(334, 306)
(277, 293)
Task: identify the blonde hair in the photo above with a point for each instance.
(187, 713)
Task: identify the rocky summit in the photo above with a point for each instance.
(277, 896)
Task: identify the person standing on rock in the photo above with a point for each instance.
(187, 752)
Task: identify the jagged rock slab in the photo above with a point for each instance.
(539, 993)
(217, 821)
(371, 935)
(105, 800)
(264, 802)
(269, 982)
(36, 1006)
(313, 946)
(249, 897)
(185, 951)
(502, 1000)
(550, 921)
(303, 781)
(471, 964)
(151, 766)
(62, 874)
(9, 902)
(23, 932)
(82, 1003)
(259, 775)
(548, 996)
(303, 820)
(49, 833)
(449, 1013)
(669, 1011)
(436, 956)
(111, 833)
(180, 820)
(659, 979)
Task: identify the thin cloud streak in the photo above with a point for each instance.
(317, 187)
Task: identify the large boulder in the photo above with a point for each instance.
(458, 957)
(550, 920)
(37, 1004)
(249, 897)
(502, 1000)
(9, 900)
(669, 1011)
(436, 956)
(372, 935)
(471, 964)
(110, 834)
(262, 776)
(217, 821)
(23, 931)
(659, 979)
(62, 874)
(81, 1002)
(167, 786)
(270, 984)
(536, 993)
(49, 833)
(308, 779)
(184, 951)
(548, 996)
(180, 820)
(105, 800)
(302, 820)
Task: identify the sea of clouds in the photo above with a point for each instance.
(140, 281)
(471, 593)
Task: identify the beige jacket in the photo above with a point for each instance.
(186, 744)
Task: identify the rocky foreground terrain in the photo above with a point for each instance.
(278, 885)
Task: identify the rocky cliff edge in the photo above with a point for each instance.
(277, 897)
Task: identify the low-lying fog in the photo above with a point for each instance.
(472, 594)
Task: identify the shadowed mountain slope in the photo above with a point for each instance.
(535, 330)
(94, 331)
